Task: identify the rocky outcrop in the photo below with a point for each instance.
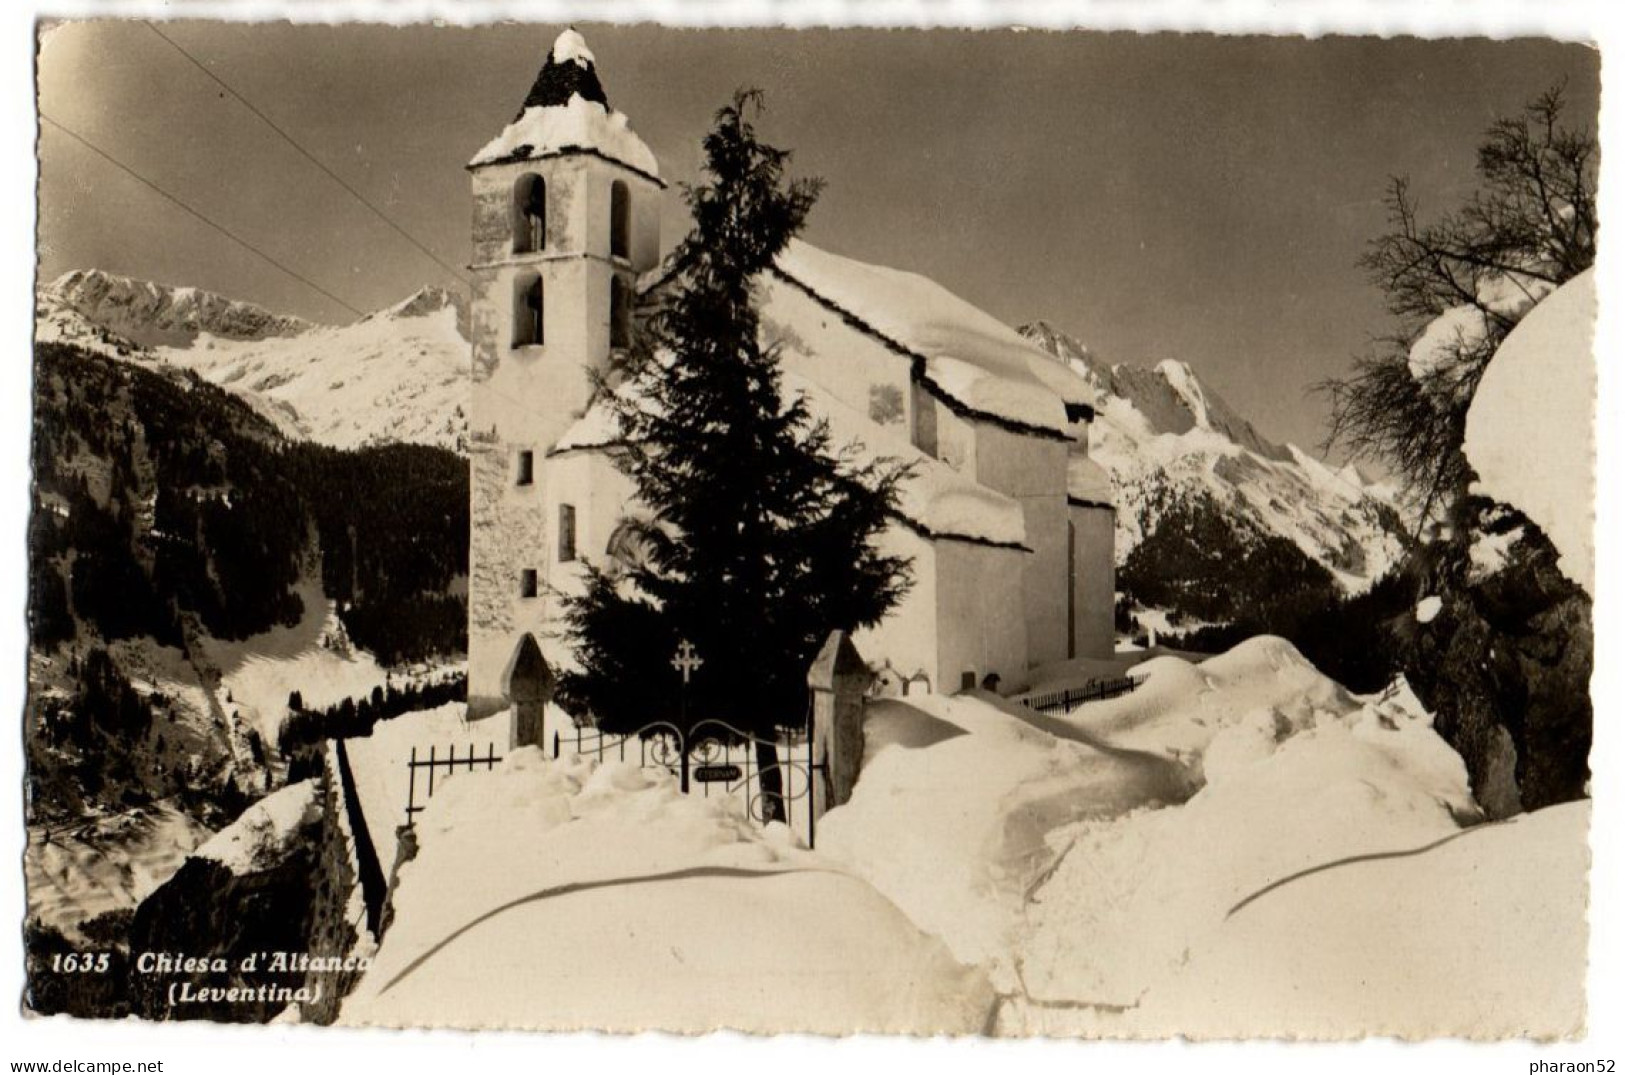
(270, 919)
(1504, 660)
(206, 943)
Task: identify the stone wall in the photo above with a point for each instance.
(508, 533)
(339, 917)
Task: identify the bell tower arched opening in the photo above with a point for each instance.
(529, 214)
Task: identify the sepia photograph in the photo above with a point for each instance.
(997, 533)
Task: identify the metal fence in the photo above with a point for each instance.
(715, 754)
(1066, 701)
(449, 762)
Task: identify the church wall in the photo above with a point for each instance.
(1033, 471)
(851, 365)
(601, 495)
(979, 622)
(907, 637)
(1094, 581)
(956, 438)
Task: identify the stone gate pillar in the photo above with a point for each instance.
(528, 683)
(838, 679)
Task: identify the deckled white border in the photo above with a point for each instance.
(251, 1051)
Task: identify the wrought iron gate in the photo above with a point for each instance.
(714, 752)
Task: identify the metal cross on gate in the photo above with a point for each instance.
(687, 660)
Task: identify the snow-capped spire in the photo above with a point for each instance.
(568, 111)
(570, 71)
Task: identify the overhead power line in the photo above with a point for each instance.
(221, 228)
(286, 137)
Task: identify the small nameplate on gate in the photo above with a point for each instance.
(716, 774)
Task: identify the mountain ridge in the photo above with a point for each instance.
(1176, 450)
(398, 374)
(1172, 447)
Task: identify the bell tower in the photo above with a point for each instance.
(566, 215)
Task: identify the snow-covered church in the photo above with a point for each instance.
(1008, 522)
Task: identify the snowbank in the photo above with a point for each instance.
(1103, 865)
(1287, 784)
(262, 836)
(1238, 847)
(1482, 936)
(974, 358)
(950, 815)
(568, 894)
(378, 761)
(1529, 430)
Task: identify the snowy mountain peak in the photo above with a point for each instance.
(427, 302)
(399, 374)
(153, 315)
(1175, 449)
(1069, 351)
(423, 302)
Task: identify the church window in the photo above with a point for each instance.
(527, 310)
(527, 468)
(529, 214)
(620, 223)
(620, 314)
(567, 533)
(528, 582)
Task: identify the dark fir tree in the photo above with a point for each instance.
(758, 534)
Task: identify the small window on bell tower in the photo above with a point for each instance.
(620, 220)
(620, 314)
(526, 472)
(529, 214)
(527, 310)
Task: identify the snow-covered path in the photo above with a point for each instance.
(1091, 861)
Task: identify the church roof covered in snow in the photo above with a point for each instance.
(937, 500)
(567, 111)
(968, 356)
(1087, 483)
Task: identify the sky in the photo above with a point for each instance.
(1194, 197)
